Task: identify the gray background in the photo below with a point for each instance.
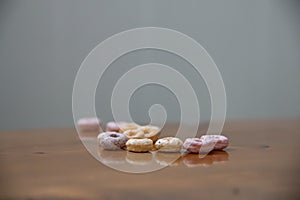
(254, 43)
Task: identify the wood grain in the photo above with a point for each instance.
(262, 162)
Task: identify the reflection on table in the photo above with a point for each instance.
(122, 157)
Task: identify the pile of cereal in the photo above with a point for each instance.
(136, 138)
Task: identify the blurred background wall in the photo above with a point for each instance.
(255, 44)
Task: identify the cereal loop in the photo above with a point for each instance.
(127, 126)
(89, 124)
(139, 145)
(219, 141)
(112, 140)
(150, 132)
(168, 144)
(112, 126)
(192, 145)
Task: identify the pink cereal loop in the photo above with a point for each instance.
(112, 126)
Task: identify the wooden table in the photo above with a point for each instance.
(262, 162)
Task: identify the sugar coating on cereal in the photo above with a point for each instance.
(168, 144)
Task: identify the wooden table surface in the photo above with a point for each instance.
(262, 162)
